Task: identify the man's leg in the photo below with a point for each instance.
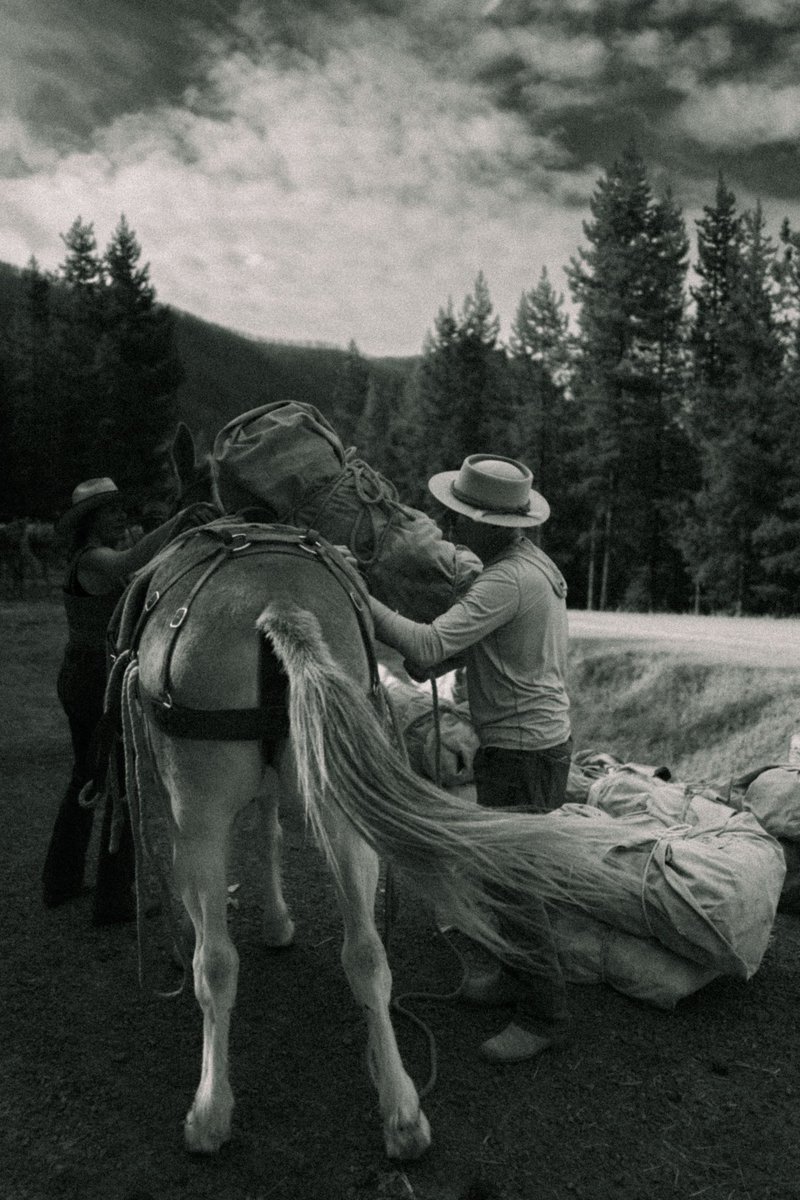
(516, 779)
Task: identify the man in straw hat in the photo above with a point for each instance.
(511, 629)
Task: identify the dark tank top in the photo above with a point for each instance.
(87, 615)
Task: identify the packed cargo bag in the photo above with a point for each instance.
(710, 877)
(285, 462)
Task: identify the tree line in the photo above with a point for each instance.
(88, 373)
(660, 422)
(664, 428)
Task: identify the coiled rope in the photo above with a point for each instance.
(373, 490)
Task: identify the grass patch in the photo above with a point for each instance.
(702, 721)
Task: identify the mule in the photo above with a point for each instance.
(254, 677)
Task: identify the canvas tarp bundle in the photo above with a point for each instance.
(286, 460)
(592, 952)
(700, 878)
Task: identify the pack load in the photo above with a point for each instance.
(698, 890)
(285, 462)
(711, 877)
(696, 884)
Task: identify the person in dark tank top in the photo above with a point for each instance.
(101, 561)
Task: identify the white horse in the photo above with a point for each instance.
(254, 677)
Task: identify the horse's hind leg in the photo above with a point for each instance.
(405, 1127)
(206, 781)
(201, 880)
(277, 925)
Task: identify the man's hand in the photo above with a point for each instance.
(418, 674)
(348, 556)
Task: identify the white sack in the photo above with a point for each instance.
(774, 798)
(591, 952)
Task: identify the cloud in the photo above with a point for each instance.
(741, 115)
(339, 170)
(343, 195)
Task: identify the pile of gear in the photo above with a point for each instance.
(702, 869)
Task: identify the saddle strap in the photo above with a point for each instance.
(269, 723)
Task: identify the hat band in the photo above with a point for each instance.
(521, 511)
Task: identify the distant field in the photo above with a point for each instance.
(710, 697)
(744, 641)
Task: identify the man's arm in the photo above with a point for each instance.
(490, 602)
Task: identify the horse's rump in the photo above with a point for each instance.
(200, 646)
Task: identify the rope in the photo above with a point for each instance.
(668, 835)
(437, 728)
(135, 750)
(398, 1003)
(373, 491)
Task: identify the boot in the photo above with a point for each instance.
(65, 861)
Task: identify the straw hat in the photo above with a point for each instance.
(492, 490)
(87, 496)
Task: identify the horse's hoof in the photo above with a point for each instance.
(203, 1141)
(409, 1140)
(278, 935)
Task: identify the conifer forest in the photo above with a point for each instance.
(658, 411)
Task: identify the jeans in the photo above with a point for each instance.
(535, 780)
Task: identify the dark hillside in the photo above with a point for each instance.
(227, 373)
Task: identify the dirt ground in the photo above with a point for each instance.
(98, 1073)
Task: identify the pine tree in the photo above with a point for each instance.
(37, 435)
(137, 362)
(79, 328)
(539, 351)
(719, 253)
(738, 356)
(776, 537)
(629, 286)
(463, 399)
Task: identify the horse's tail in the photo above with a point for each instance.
(471, 863)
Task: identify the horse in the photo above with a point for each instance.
(254, 676)
(23, 554)
(178, 477)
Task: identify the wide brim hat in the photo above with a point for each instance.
(492, 490)
(87, 497)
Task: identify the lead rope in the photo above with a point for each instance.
(135, 749)
(398, 1003)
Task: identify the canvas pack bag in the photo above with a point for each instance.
(286, 460)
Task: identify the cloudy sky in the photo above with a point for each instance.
(322, 170)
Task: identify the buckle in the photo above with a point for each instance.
(179, 618)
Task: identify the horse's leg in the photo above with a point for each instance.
(208, 782)
(277, 925)
(201, 881)
(405, 1127)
